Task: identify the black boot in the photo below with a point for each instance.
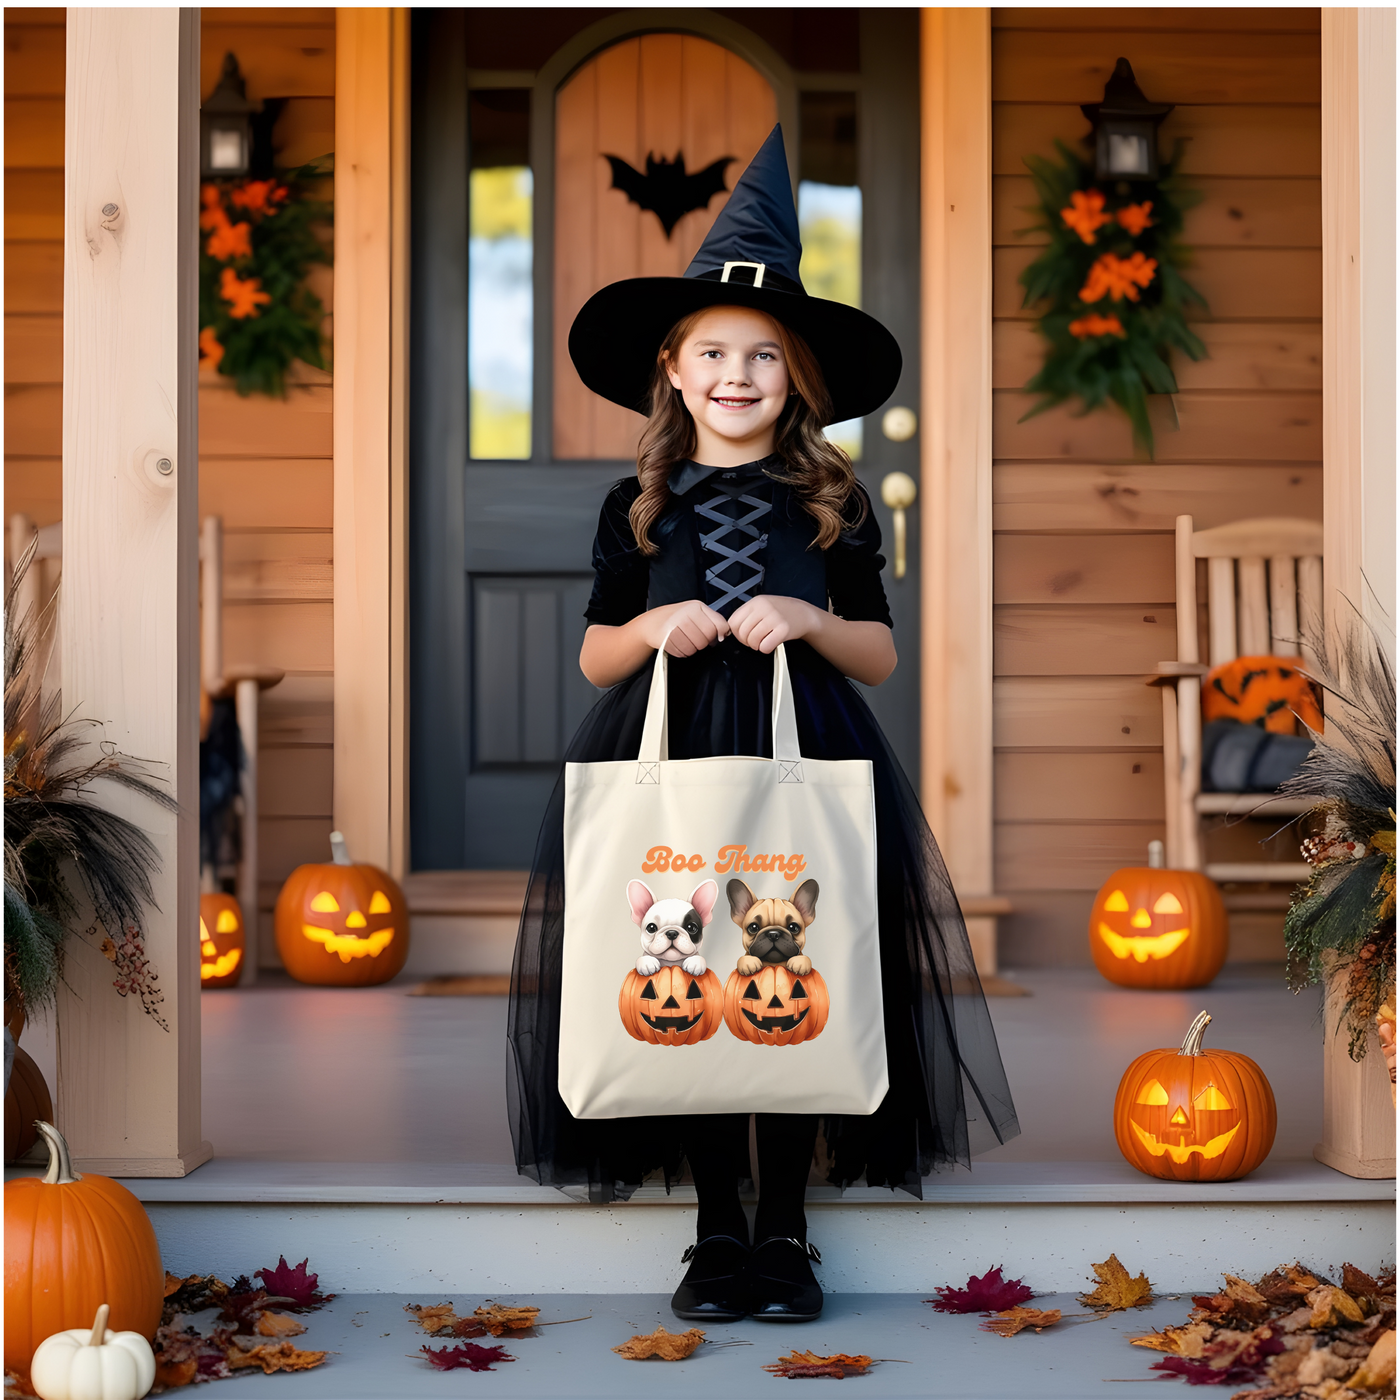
(712, 1289)
(780, 1281)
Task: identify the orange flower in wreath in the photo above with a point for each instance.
(258, 196)
(1085, 214)
(1118, 277)
(1136, 217)
(1093, 324)
(210, 351)
(212, 216)
(229, 242)
(243, 294)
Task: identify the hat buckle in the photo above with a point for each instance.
(758, 271)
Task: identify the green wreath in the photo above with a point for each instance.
(1111, 277)
(257, 242)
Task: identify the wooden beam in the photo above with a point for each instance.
(956, 501)
(1358, 325)
(370, 427)
(128, 1090)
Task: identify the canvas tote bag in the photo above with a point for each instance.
(764, 870)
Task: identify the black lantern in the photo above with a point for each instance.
(1125, 128)
(225, 125)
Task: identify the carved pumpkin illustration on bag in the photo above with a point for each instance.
(775, 1006)
(671, 1007)
(1158, 928)
(1194, 1114)
(221, 940)
(341, 925)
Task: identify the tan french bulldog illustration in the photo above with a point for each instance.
(773, 930)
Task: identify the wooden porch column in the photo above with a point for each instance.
(371, 259)
(1358, 317)
(956, 500)
(128, 1091)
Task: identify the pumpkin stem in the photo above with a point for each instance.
(1192, 1044)
(60, 1172)
(340, 851)
(99, 1326)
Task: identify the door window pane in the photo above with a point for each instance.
(501, 308)
(830, 220)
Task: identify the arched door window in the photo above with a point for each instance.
(668, 96)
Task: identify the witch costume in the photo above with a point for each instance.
(726, 536)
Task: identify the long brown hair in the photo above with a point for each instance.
(819, 471)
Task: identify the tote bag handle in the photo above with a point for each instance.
(785, 748)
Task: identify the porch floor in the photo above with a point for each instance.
(296, 1074)
(375, 1352)
(315, 1094)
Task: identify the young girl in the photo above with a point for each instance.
(746, 528)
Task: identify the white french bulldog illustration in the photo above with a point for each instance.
(671, 928)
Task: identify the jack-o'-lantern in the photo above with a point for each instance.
(1158, 928)
(342, 924)
(1194, 1114)
(671, 1007)
(221, 940)
(775, 1006)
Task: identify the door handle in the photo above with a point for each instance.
(898, 491)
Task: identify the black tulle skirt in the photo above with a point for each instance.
(948, 1095)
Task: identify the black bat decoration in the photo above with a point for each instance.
(666, 189)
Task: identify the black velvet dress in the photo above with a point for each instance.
(725, 537)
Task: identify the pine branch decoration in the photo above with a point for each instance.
(1110, 289)
(1343, 919)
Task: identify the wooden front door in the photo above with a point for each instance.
(501, 544)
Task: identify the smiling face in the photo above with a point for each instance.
(733, 377)
(1208, 1116)
(342, 925)
(775, 1006)
(671, 1007)
(1158, 928)
(221, 942)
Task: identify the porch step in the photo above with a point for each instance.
(402, 1227)
(375, 1353)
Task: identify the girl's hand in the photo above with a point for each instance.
(765, 621)
(692, 627)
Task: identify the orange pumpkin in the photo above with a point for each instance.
(775, 1006)
(341, 925)
(1194, 1114)
(1158, 928)
(221, 940)
(26, 1099)
(671, 1007)
(73, 1243)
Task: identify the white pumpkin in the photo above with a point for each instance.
(93, 1365)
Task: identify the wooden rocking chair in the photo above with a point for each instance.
(1264, 598)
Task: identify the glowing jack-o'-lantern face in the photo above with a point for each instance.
(1194, 1114)
(775, 1006)
(1158, 928)
(342, 925)
(671, 1007)
(221, 940)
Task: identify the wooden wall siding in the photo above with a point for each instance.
(34, 67)
(265, 468)
(265, 464)
(1084, 582)
(657, 94)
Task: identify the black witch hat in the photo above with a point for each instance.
(749, 258)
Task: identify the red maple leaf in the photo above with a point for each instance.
(1203, 1373)
(466, 1355)
(990, 1293)
(296, 1286)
